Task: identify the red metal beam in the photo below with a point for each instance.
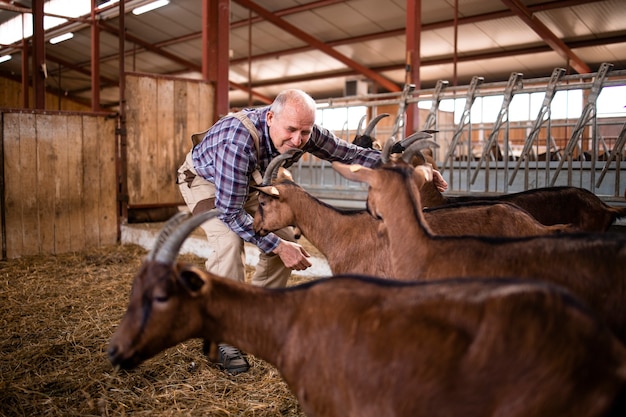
(215, 45)
(413, 57)
(436, 61)
(546, 34)
(289, 10)
(302, 35)
(39, 56)
(95, 60)
(187, 64)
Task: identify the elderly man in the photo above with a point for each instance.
(219, 171)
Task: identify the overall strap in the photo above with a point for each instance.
(256, 175)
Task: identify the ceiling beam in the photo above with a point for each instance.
(287, 11)
(384, 34)
(302, 35)
(547, 35)
(425, 27)
(437, 61)
(187, 64)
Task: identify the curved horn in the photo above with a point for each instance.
(386, 152)
(165, 232)
(358, 128)
(400, 146)
(168, 251)
(414, 148)
(424, 134)
(272, 168)
(370, 127)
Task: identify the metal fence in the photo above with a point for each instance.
(504, 153)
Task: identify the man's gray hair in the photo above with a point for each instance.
(293, 97)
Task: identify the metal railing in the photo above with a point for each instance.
(492, 157)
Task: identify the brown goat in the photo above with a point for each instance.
(590, 265)
(353, 346)
(355, 242)
(579, 207)
(549, 205)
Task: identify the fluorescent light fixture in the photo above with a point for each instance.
(150, 6)
(106, 3)
(61, 38)
(4, 58)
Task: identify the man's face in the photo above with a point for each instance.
(292, 129)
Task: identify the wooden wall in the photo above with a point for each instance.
(59, 182)
(161, 115)
(11, 97)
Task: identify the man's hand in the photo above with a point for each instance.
(293, 255)
(439, 182)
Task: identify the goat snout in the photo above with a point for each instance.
(118, 358)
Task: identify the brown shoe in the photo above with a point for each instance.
(232, 359)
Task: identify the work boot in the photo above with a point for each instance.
(232, 359)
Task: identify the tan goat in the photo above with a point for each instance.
(355, 242)
(353, 346)
(590, 265)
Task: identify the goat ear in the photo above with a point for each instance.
(192, 280)
(268, 190)
(354, 172)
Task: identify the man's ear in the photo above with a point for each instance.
(192, 279)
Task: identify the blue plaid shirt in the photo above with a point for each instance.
(227, 157)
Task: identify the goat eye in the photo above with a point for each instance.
(161, 298)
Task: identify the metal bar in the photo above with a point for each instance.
(543, 111)
(588, 113)
(617, 151)
(515, 81)
(304, 36)
(465, 118)
(399, 122)
(547, 35)
(431, 119)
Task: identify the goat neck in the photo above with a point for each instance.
(388, 197)
(173, 303)
(334, 232)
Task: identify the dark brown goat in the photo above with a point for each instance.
(353, 346)
(590, 265)
(355, 242)
(550, 205)
(579, 207)
(365, 139)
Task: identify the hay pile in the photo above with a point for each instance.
(57, 314)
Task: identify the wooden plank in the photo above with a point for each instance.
(107, 218)
(28, 181)
(165, 162)
(182, 133)
(13, 192)
(207, 104)
(76, 189)
(46, 175)
(61, 202)
(133, 127)
(91, 181)
(147, 145)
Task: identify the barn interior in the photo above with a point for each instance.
(99, 99)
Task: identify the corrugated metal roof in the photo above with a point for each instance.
(492, 43)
